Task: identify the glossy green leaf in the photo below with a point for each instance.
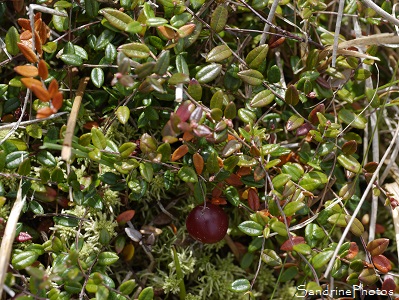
(127, 287)
(279, 227)
(350, 118)
(178, 78)
(123, 114)
(291, 208)
(219, 53)
(97, 77)
(146, 171)
(91, 7)
(208, 73)
(14, 159)
(357, 227)
(46, 159)
(135, 50)
(147, 294)
(313, 234)
(280, 180)
(24, 259)
(72, 59)
(291, 95)
(98, 139)
(11, 40)
(322, 258)
(338, 219)
(156, 21)
(257, 56)
(187, 174)
(60, 23)
(126, 149)
(34, 131)
(262, 98)
(219, 18)
(240, 286)
(116, 18)
(304, 249)
(163, 62)
(251, 76)
(271, 258)
(251, 228)
(232, 195)
(349, 162)
(25, 167)
(107, 258)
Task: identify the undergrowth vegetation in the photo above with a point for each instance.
(118, 118)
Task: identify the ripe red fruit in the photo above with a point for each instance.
(207, 224)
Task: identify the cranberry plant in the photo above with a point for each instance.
(197, 150)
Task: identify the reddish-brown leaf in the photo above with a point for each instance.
(349, 147)
(26, 35)
(187, 136)
(38, 44)
(57, 101)
(53, 87)
(288, 245)
(313, 114)
(23, 237)
(41, 93)
(28, 82)
(186, 30)
(259, 173)
(377, 246)
(243, 171)
(44, 112)
(18, 5)
(218, 190)
(371, 166)
(353, 251)
(126, 216)
(253, 199)
(276, 43)
(234, 180)
(42, 69)
(27, 52)
(89, 125)
(198, 163)
(388, 285)
(24, 23)
(179, 152)
(27, 70)
(382, 263)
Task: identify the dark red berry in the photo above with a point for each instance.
(207, 224)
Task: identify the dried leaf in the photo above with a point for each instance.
(179, 152)
(27, 52)
(27, 70)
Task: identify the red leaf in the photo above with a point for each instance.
(23, 237)
(253, 199)
(382, 263)
(288, 245)
(126, 216)
(353, 251)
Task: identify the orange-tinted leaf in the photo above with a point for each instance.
(186, 30)
(198, 163)
(24, 23)
(26, 35)
(27, 70)
(44, 112)
(42, 69)
(38, 15)
(38, 44)
(288, 245)
(378, 246)
(219, 201)
(27, 52)
(40, 92)
(57, 100)
(259, 173)
(220, 162)
(89, 125)
(128, 252)
(187, 136)
(126, 216)
(276, 43)
(179, 152)
(38, 24)
(234, 180)
(382, 263)
(53, 87)
(28, 82)
(253, 199)
(353, 251)
(167, 32)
